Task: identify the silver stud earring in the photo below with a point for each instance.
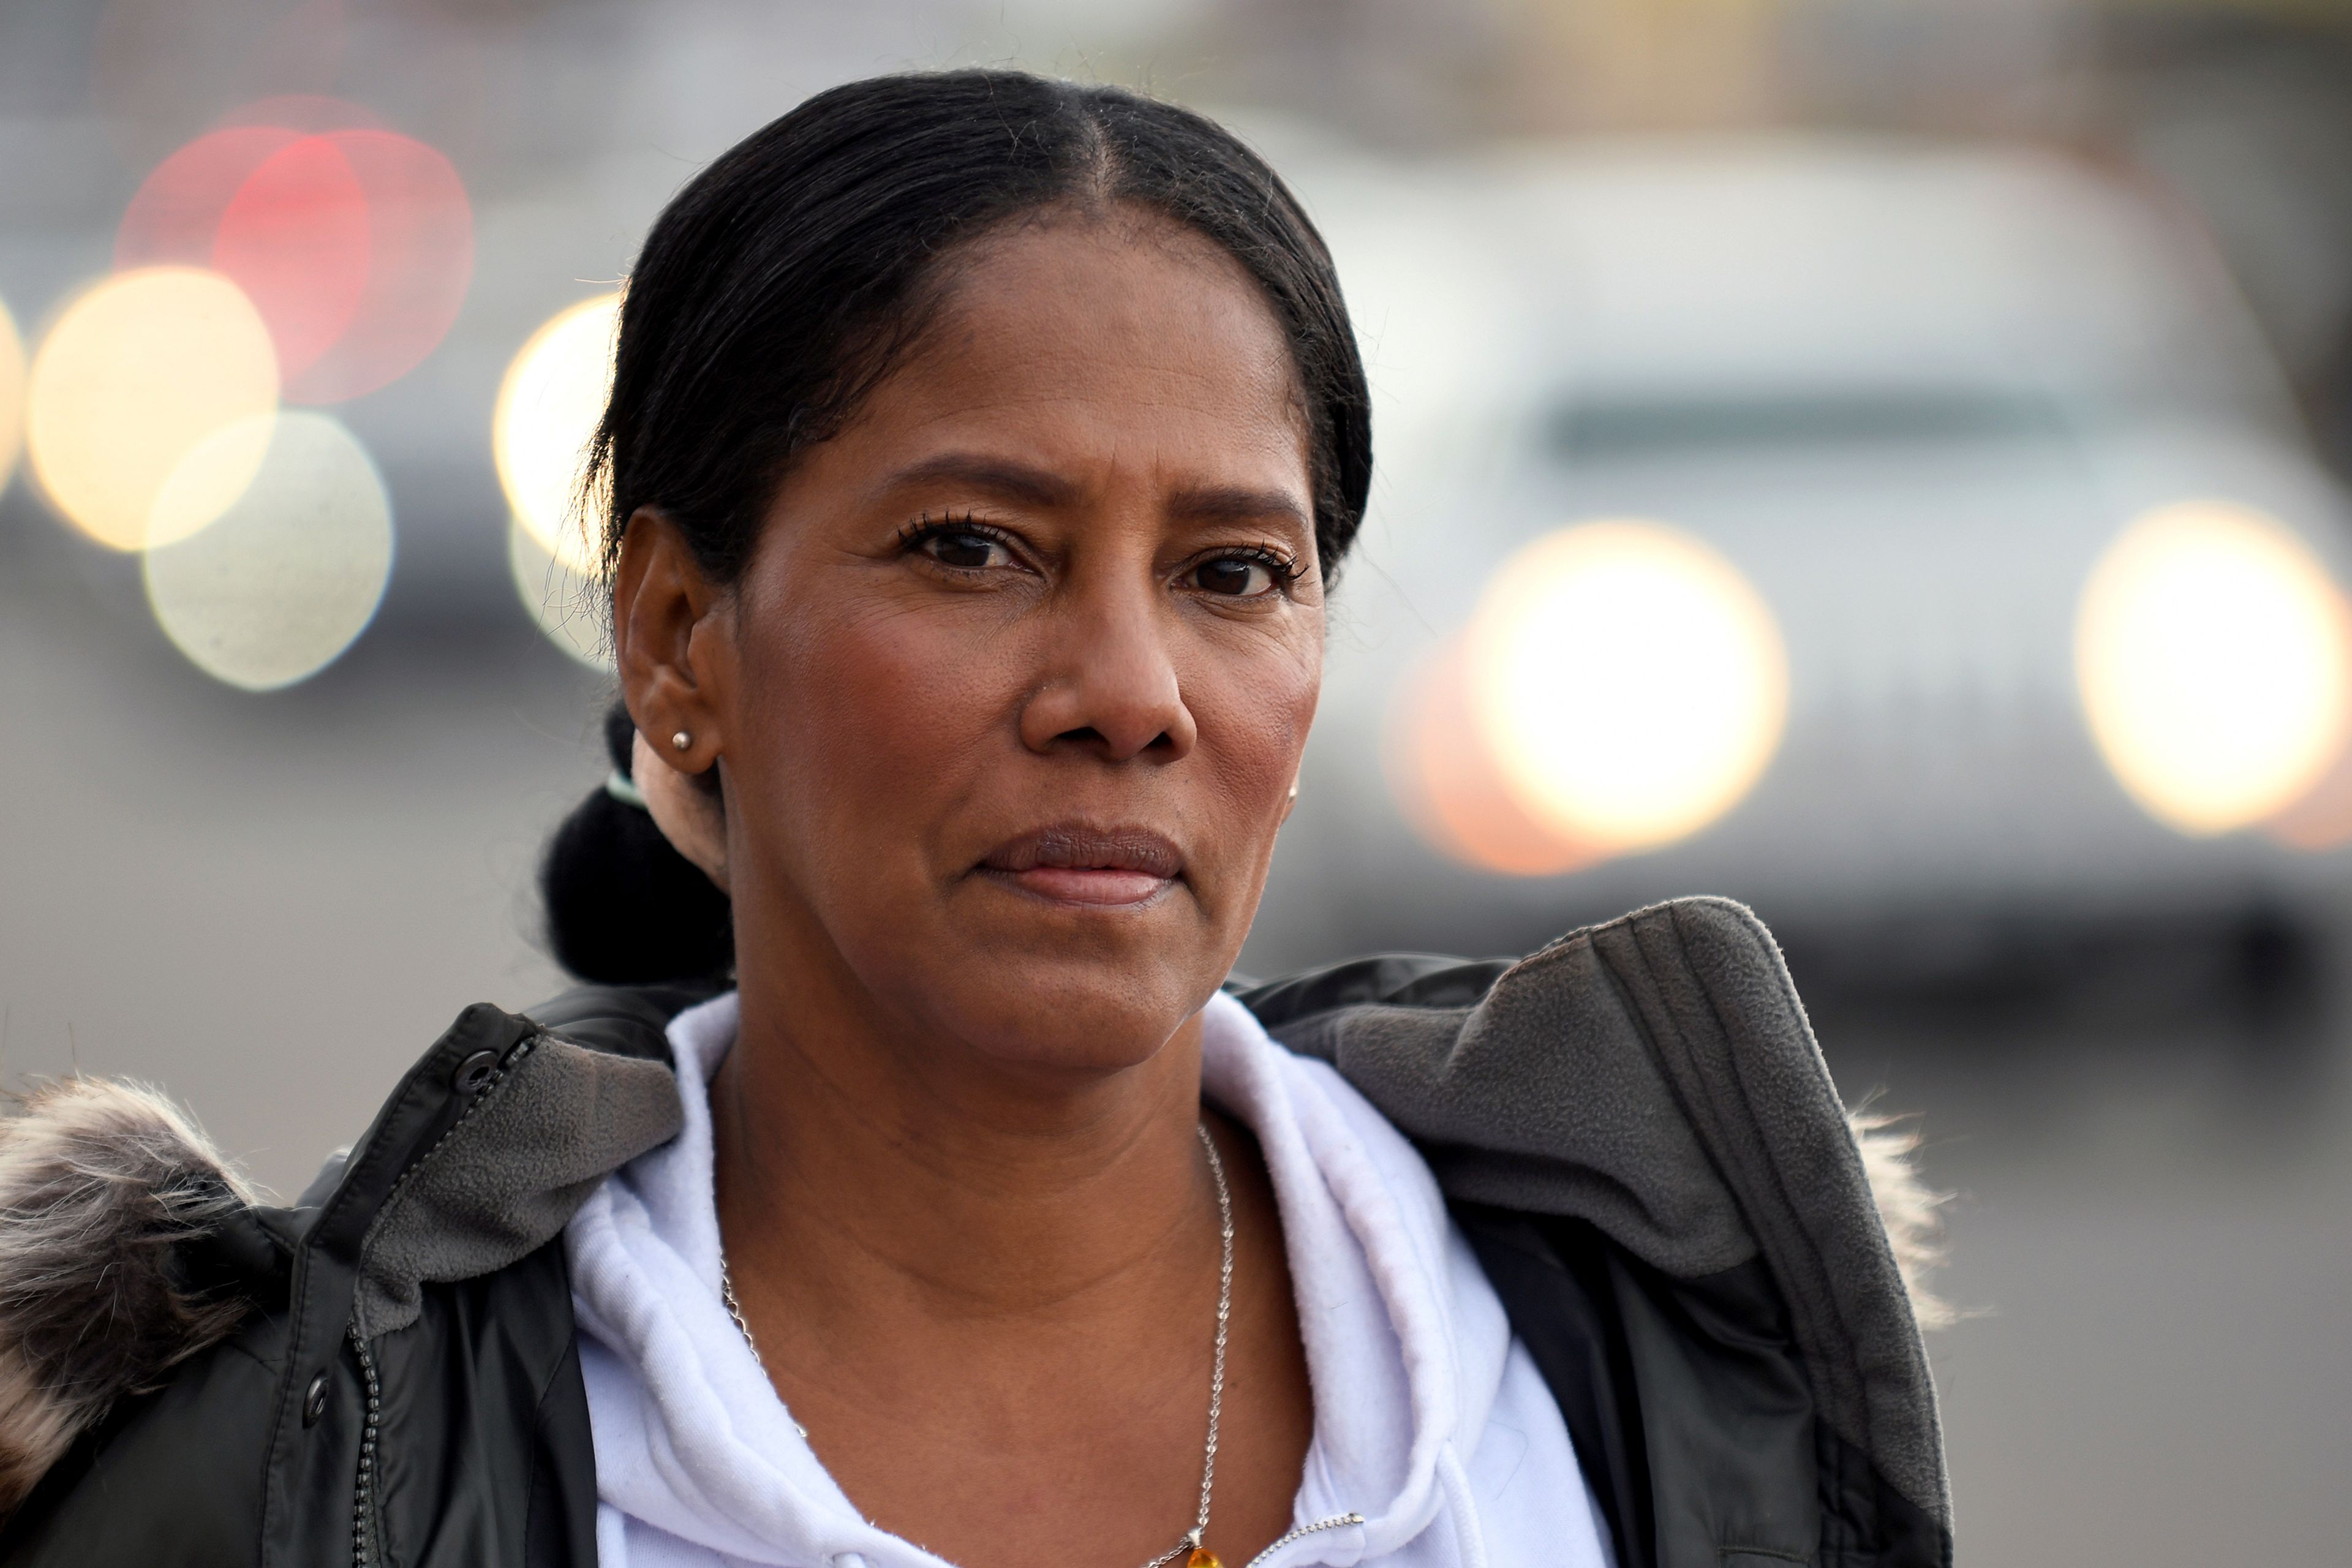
(682, 741)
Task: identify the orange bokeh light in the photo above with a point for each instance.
(1443, 775)
(355, 243)
(2322, 818)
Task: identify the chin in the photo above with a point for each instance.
(1065, 1012)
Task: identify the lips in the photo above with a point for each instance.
(1074, 864)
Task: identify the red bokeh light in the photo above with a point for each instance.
(297, 237)
(355, 243)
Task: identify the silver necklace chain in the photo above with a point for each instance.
(1191, 1540)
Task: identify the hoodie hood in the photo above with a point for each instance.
(1408, 1350)
(1405, 1343)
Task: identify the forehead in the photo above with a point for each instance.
(1087, 331)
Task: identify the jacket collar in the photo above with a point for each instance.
(1654, 1077)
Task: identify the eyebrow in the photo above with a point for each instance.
(1215, 503)
(1005, 476)
(1026, 484)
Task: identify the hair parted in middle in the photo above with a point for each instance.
(788, 277)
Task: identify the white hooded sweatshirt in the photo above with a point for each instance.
(1430, 1421)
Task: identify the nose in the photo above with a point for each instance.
(1110, 684)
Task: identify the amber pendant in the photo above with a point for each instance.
(1203, 1558)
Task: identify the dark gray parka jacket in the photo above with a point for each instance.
(1633, 1127)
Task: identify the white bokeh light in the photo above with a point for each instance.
(292, 573)
(565, 605)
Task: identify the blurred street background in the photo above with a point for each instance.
(1881, 460)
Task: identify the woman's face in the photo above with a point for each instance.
(1011, 696)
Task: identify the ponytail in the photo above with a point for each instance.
(623, 907)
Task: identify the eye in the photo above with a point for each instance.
(966, 549)
(1243, 575)
(963, 546)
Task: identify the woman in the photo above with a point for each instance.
(979, 453)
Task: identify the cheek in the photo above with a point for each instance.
(1254, 713)
(872, 708)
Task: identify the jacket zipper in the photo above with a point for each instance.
(363, 1521)
(1334, 1523)
(363, 1489)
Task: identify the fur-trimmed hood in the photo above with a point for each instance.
(113, 1212)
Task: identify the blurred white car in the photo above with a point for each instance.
(1895, 535)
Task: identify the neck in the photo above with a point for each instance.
(985, 1286)
(867, 1166)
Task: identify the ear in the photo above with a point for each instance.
(694, 819)
(673, 640)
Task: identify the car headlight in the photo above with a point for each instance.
(1621, 686)
(2213, 653)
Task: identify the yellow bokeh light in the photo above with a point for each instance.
(548, 409)
(138, 373)
(566, 606)
(1628, 682)
(12, 393)
(292, 573)
(2213, 653)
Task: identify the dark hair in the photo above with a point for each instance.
(623, 907)
(788, 277)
